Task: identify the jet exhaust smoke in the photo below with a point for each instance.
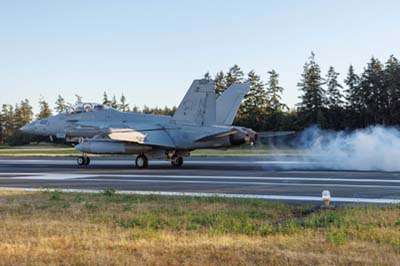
(376, 148)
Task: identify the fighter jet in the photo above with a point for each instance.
(202, 121)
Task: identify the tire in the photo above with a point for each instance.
(81, 160)
(141, 161)
(87, 160)
(177, 161)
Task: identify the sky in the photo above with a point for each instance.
(150, 51)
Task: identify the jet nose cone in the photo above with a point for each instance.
(28, 128)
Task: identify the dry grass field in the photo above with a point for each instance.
(54, 228)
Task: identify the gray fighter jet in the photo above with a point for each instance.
(201, 121)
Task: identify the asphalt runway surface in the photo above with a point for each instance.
(278, 178)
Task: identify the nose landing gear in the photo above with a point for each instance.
(141, 161)
(176, 157)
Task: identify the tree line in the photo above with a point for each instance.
(358, 101)
(369, 98)
(354, 101)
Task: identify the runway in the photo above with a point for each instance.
(278, 178)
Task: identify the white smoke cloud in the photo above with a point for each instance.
(375, 148)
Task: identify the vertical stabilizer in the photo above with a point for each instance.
(198, 107)
(229, 101)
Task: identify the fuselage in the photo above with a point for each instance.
(89, 124)
(194, 125)
(160, 130)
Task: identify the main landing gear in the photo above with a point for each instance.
(83, 160)
(177, 161)
(141, 161)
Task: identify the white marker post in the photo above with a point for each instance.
(326, 198)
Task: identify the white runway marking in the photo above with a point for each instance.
(246, 196)
(238, 183)
(43, 176)
(52, 176)
(257, 178)
(185, 180)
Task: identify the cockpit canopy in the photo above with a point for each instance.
(87, 108)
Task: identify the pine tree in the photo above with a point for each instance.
(114, 103)
(254, 107)
(106, 101)
(23, 114)
(7, 122)
(220, 83)
(374, 93)
(334, 100)
(146, 110)
(61, 105)
(353, 94)
(334, 95)
(169, 111)
(313, 98)
(136, 109)
(234, 75)
(392, 83)
(45, 110)
(355, 106)
(274, 92)
(124, 107)
(256, 100)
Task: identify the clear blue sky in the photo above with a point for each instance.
(151, 50)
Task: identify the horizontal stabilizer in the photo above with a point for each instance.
(271, 134)
(215, 136)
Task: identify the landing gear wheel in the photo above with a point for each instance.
(177, 161)
(81, 160)
(141, 161)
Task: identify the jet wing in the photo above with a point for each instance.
(162, 137)
(146, 134)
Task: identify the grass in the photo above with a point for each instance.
(65, 151)
(54, 228)
(40, 150)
